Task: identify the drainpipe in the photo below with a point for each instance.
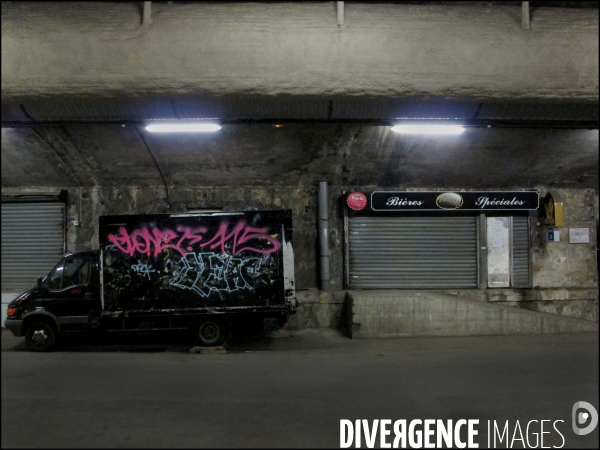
(324, 234)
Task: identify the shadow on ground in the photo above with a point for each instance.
(145, 342)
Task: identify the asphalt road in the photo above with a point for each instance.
(292, 390)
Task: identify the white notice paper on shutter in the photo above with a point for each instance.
(498, 254)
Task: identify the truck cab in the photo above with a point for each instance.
(66, 300)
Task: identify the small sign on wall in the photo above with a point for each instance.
(553, 235)
(579, 235)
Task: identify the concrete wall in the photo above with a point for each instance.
(85, 205)
(563, 264)
(296, 48)
(317, 309)
(422, 313)
(564, 275)
(578, 303)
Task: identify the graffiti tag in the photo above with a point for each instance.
(143, 269)
(205, 273)
(151, 242)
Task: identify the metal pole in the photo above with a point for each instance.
(324, 234)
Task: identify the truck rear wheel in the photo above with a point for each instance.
(40, 336)
(210, 332)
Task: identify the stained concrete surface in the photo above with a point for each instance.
(297, 48)
(116, 160)
(396, 313)
(287, 390)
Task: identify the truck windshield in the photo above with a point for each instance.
(71, 272)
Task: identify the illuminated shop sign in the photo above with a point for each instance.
(443, 201)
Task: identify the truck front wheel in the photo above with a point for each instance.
(210, 332)
(40, 336)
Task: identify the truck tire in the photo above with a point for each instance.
(210, 332)
(40, 336)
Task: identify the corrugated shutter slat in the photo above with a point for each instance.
(520, 253)
(412, 252)
(33, 239)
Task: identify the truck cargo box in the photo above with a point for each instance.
(195, 262)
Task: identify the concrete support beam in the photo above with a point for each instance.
(147, 19)
(340, 13)
(525, 20)
(434, 52)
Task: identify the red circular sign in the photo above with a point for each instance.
(356, 200)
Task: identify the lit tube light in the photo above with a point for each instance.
(428, 129)
(182, 127)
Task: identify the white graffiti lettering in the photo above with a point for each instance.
(143, 269)
(205, 273)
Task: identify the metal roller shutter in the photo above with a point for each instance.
(520, 252)
(412, 252)
(33, 240)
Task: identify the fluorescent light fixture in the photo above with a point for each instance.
(189, 127)
(428, 129)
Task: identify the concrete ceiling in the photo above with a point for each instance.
(80, 79)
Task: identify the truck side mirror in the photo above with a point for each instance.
(39, 284)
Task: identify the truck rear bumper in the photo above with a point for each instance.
(14, 326)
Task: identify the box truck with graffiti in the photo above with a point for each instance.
(203, 272)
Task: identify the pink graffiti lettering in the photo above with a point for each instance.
(142, 241)
(222, 238)
(153, 242)
(121, 241)
(259, 233)
(193, 235)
